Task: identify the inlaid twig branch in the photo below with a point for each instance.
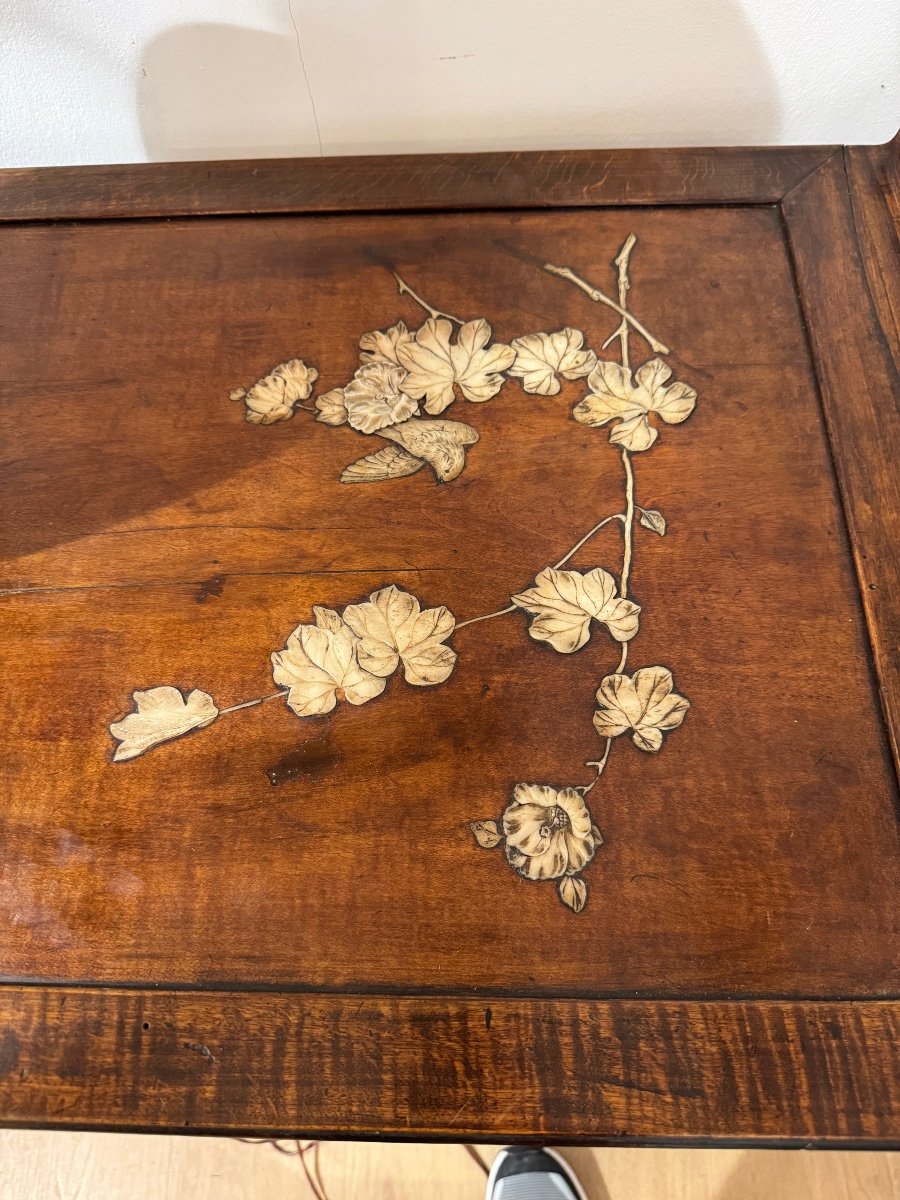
(622, 261)
(601, 298)
(253, 703)
(562, 562)
(548, 832)
(405, 379)
(405, 290)
(501, 612)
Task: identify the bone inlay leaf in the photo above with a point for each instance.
(406, 379)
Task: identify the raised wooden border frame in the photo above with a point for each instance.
(770, 1071)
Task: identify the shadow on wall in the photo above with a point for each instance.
(496, 77)
(223, 91)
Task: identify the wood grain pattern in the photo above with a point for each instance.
(187, 864)
(618, 1071)
(372, 971)
(852, 336)
(873, 175)
(428, 181)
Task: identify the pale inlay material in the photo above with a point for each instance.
(405, 381)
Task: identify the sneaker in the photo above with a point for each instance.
(523, 1173)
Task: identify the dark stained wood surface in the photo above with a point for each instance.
(873, 177)
(732, 974)
(616, 1071)
(851, 312)
(414, 181)
(157, 538)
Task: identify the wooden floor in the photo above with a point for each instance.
(75, 1166)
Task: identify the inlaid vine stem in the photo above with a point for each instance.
(599, 765)
(405, 290)
(252, 703)
(601, 298)
(487, 617)
(556, 566)
(622, 260)
(606, 520)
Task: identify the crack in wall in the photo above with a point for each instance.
(309, 90)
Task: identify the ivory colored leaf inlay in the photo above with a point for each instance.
(650, 518)
(564, 602)
(160, 714)
(393, 629)
(615, 394)
(332, 407)
(542, 357)
(644, 705)
(381, 346)
(436, 365)
(405, 378)
(319, 666)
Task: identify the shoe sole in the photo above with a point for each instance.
(557, 1158)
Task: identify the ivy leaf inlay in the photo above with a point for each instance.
(486, 833)
(160, 714)
(393, 628)
(382, 346)
(319, 666)
(644, 705)
(564, 602)
(435, 367)
(652, 519)
(573, 892)
(617, 395)
(542, 357)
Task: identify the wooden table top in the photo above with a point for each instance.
(450, 615)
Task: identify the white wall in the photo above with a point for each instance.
(91, 81)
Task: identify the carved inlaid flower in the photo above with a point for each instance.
(319, 666)
(435, 367)
(643, 705)
(542, 357)
(392, 628)
(564, 602)
(373, 398)
(617, 395)
(160, 714)
(273, 397)
(332, 408)
(548, 831)
(382, 346)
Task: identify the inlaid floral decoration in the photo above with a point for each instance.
(406, 381)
